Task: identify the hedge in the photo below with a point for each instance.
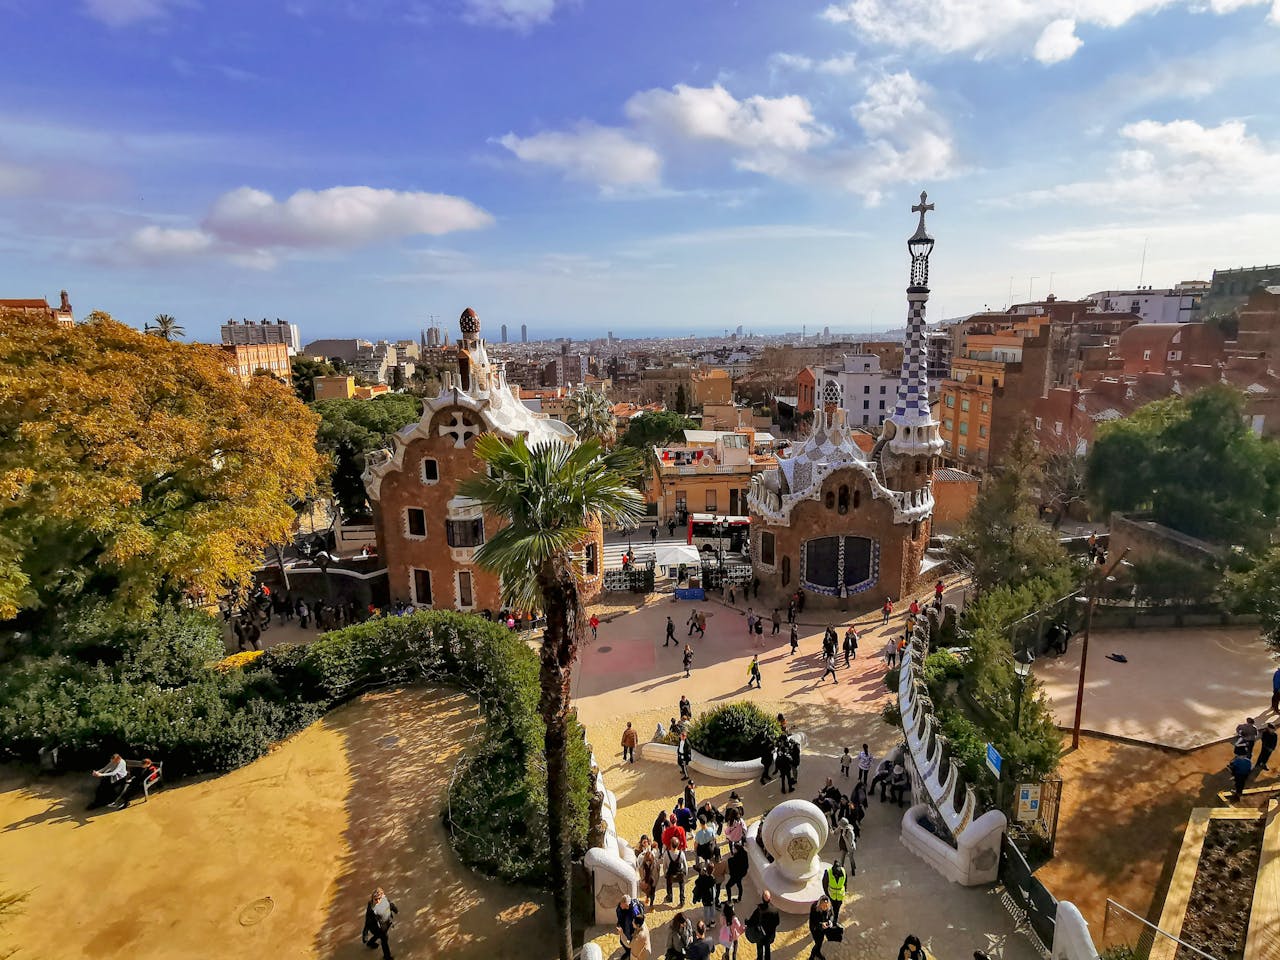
(204, 718)
(734, 731)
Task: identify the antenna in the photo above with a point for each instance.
(1051, 282)
(1009, 303)
(1143, 269)
(1030, 281)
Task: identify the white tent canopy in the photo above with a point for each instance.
(674, 554)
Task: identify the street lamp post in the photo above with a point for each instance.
(1022, 661)
(1090, 603)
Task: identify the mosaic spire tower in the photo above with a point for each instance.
(915, 432)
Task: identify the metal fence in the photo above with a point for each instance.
(637, 578)
(1127, 936)
(714, 576)
(1028, 899)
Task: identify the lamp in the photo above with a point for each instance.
(1022, 661)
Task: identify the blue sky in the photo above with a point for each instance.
(653, 166)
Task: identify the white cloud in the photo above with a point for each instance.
(120, 13)
(154, 241)
(340, 217)
(713, 113)
(511, 14)
(18, 179)
(605, 156)
(1177, 164)
(1058, 42)
(838, 66)
(986, 27)
(251, 228)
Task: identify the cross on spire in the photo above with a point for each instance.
(922, 208)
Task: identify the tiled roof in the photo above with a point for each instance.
(952, 475)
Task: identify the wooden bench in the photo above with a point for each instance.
(135, 765)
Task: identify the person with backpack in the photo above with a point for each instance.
(674, 867)
(739, 866)
(704, 892)
(627, 911)
(762, 926)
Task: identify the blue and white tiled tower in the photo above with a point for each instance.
(914, 431)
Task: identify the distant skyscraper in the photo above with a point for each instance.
(504, 333)
(524, 333)
(739, 330)
(611, 336)
(826, 333)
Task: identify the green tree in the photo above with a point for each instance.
(1257, 591)
(682, 400)
(397, 377)
(137, 469)
(549, 496)
(1003, 541)
(166, 327)
(1194, 465)
(352, 429)
(304, 373)
(649, 430)
(591, 416)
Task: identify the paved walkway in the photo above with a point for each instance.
(1180, 688)
(628, 675)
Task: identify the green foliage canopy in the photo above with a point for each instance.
(350, 430)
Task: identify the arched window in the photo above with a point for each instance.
(844, 498)
(786, 570)
(917, 467)
(857, 497)
(830, 500)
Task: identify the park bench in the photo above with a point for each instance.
(134, 765)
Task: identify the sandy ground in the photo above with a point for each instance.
(1181, 688)
(1125, 807)
(352, 802)
(628, 675)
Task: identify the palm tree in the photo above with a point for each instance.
(549, 495)
(166, 327)
(591, 415)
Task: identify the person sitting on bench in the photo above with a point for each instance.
(884, 771)
(110, 780)
(136, 785)
(899, 784)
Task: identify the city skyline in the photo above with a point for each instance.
(657, 171)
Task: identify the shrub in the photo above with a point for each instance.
(891, 714)
(891, 679)
(734, 731)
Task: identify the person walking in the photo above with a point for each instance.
(765, 919)
(753, 672)
(850, 644)
(891, 653)
(795, 640)
(594, 623)
(864, 764)
(674, 866)
(702, 624)
(786, 771)
(820, 923)
(627, 911)
(777, 625)
(886, 611)
(693, 622)
(671, 528)
(647, 868)
(688, 659)
(847, 842)
(671, 634)
(641, 945)
(1247, 735)
(679, 936)
(704, 892)
(846, 763)
(378, 918)
(834, 880)
(731, 931)
(915, 608)
(791, 611)
(767, 760)
(732, 601)
(739, 865)
(684, 753)
(304, 614)
(1268, 739)
(751, 622)
(686, 708)
(830, 669)
(629, 741)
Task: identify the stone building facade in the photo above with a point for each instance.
(427, 534)
(838, 522)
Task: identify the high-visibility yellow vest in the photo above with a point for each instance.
(835, 888)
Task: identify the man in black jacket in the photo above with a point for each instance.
(766, 758)
(377, 922)
(684, 753)
(785, 770)
(765, 918)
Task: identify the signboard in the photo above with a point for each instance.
(691, 594)
(994, 760)
(1028, 802)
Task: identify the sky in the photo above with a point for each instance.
(651, 167)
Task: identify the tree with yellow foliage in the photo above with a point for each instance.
(137, 469)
